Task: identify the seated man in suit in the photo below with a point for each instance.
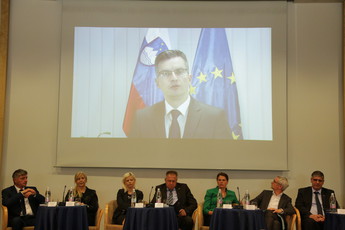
(22, 201)
(276, 203)
(179, 115)
(312, 202)
(180, 197)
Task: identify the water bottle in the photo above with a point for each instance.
(47, 195)
(333, 203)
(219, 199)
(133, 198)
(246, 198)
(158, 196)
(70, 195)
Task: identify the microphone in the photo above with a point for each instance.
(63, 203)
(239, 200)
(150, 204)
(150, 194)
(239, 195)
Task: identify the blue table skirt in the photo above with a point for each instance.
(151, 219)
(61, 218)
(334, 221)
(237, 219)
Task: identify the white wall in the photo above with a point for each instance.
(315, 139)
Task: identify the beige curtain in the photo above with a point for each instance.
(4, 20)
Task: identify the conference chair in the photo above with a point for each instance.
(5, 220)
(108, 216)
(99, 215)
(298, 219)
(199, 218)
(290, 221)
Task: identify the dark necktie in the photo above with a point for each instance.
(318, 204)
(174, 131)
(170, 198)
(22, 203)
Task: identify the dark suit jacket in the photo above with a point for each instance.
(263, 200)
(11, 199)
(305, 197)
(185, 198)
(203, 121)
(89, 198)
(123, 203)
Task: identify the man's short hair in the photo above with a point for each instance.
(171, 172)
(283, 181)
(169, 54)
(19, 172)
(318, 174)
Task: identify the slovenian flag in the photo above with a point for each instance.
(144, 91)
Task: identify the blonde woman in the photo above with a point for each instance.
(124, 197)
(85, 196)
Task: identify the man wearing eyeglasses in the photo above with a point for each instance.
(276, 203)
(179, 115)
(313, 201)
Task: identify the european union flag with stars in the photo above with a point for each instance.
(214, 80)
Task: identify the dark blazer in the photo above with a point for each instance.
(305, 197)
(91, 200)
(185, 197)
(203, 121)
(11, 199)
(123, 203)
(285, 203)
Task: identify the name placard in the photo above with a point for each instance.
(250, 207)
(139, 205)
(159, 205)
(341, 211)
(227, 206)
(52, 204)
(70, 203)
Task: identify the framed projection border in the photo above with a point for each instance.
(102, 149)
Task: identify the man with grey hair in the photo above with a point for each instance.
(21, 201)
(276, 203)
(312, 202)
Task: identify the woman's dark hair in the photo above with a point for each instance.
(224, 175)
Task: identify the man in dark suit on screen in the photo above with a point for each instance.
(179, 196)
(276, 203)
(179, 115)
(22, 201)
(313, 201)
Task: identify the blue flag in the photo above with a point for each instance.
(214, 81)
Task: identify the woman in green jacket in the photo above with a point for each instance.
(210, 203)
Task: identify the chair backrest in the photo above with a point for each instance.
(4, 217)
(109, 211)
(99, 215)
(200, 216)
(290, 221)
(298, 219)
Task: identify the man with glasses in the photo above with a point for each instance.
(179, 115)
(312, 202)
(179, 196)
(276, 203)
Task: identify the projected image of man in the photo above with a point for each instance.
(179, 115)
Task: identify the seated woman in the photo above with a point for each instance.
(210, 203)
(85, 196)
(124, 197)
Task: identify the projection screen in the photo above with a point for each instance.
(107, 52)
